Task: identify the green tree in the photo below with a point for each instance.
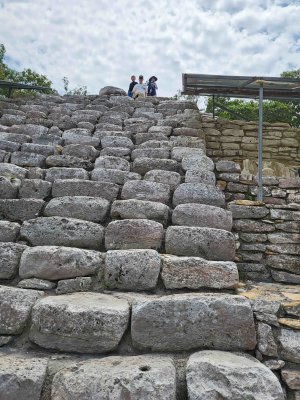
(27, 76)
(274, 111)
(79, 91)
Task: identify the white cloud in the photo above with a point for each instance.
(101, 42)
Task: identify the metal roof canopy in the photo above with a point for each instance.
(18, 85)
(272, 88)
(241, 86)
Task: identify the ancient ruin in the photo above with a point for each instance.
(135, 267)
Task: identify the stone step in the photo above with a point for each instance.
(144, 164)
(80, 187)
(116, 176)
(198, 193)
(146, 190)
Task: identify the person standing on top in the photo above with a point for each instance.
(152, 86)
(132, 85)
(140, 90)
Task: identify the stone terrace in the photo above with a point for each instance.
(117, 261)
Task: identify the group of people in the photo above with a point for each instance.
(142, 89)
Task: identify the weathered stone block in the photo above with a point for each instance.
(15, 306)
(228, 166)
(196, 273)
(132, 269)
(252, 226)
(289, 341)
(133, 234)
(86, 152)
(250, 212)
(198, 193)
(291, 376)
(284, 262)
(116, 176)
(65, 160)
(197, 162)
(110, 162)
(184, 322)
(12, 171)
(217, 374)
(77, 187)
(210, 243)
(115, 141)
(21, 377)
(93, 209)
(139, 377)
(79, 284)
(77, 138)
(57, 262)
(9, 188)
(68, 322)
(150, 153)
(170, 178)
(10, 255)
(122, 152)
(23, 159)
(202, 215)
(61, 231)
(146, 190)
(145, 136)
(55, 173)
(178, 153)
(35, 189)
(20, 209)
(9, 231)
(205, 177)
(45, 150)
(143, 165)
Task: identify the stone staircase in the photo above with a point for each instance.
(117, 269)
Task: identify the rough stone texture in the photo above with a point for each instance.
(109, 90)
(12, 171)
(198, 193)
(143, 165)
(35, 283)
(77, 187)
(81, 151)
(213, 375)
(206, 177)
(21, 378)
(284, 262)
(178, 153)
(15, 307)
(150, 153)
(196, 273)
(68, 322)
(227, 166)
(54, 262)
(24, 159)
(202, 215)
(20, 209)
(291, 376)
(80, 207)
(10, 254)
(77, 138)
(210, 243)
(9, 231)
(188, 321)
(79, 284)
(252, 226)
(115, 141)
(140, 209)
(8, 188)
(139, 377)
(289, 341)
(146, 190)
(35, 189)
(132, 269)
(114, 176)
(62, 232)
(170, 178)
(55, 173)
(266, 342)
(249, 212)
(197, 162)
(110, 162)
(133, 234)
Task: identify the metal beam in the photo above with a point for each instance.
(260, 194)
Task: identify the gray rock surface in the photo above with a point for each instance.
(21, 377)
(178, 153)
(209, 243)
(140, 209)
(137, 377)
(77, 138)
(184, 322)
(55, 173)
(34, 283)
(86, 152)
(87, 208)
(202, 215)
(227, 166)
(197, 176)
(20, 209)
(79, 284)
(196, 273)
(61, 231)
(146, 190)
(24, 159)
(110, 162)
(109, 90)
(15, 307)
(35, 189)
(12, 171)
(289, 341)
(10, 255)
(198, 193)
(143, 165)
(56, 262)
(213, 375)
(9, 231)
(266, 342)
(197, 162)
(132, 269)
(251, 212)
(133, 234)
(115, 176)
(68, 322)
(170, 178)
(9, 188)
(78, 187)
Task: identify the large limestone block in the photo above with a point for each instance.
(35, 189)
(214, 375)
(45, 150)
(248, 212)
(9, 231)
(202, 215)
(150, 153)
(64, 160)
(197, 162)
(24, 159)
(56, 262)
(227, 166)
(10, 255)
(81, 151)
(209, 243)
(196, 273)
(142, 377)
(170, 178)
(9, 188)
(55, 173)
(20, 209)
(115, 141)
(61, 231)
(284, 262)
(115, 176)
(140, 209)
(196, 176)
(77, 138)
(146, 190)
(21, 378)
(178, 153)
(15, 308)
(79, 322)
(144, 164)
(289, 341)
(132, 269)
(198, 193)
(78, 187)
(12, 171)
(110, 162)
(187, 321)
(111, 90)
(133, 234)
(93, 209)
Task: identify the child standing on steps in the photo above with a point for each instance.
(140, 90)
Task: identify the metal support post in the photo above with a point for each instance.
(260, 144)
(213, 105)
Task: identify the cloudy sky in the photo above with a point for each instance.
(102, 42)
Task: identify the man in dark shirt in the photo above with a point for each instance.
(131, 86)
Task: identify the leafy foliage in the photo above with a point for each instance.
(79, 91)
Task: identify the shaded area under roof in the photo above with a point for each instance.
(241, 86)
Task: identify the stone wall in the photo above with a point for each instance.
(118, 265)
(238, 141)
